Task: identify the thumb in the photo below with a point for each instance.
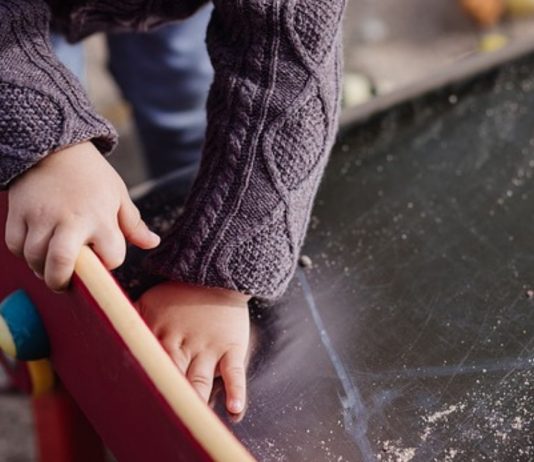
(134, 228)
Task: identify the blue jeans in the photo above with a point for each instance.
(165, 75)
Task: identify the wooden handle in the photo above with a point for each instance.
(205, 426)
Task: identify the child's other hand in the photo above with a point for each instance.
(71, 198)
(206, 332)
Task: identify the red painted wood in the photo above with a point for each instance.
(97, 369)
(63, 433)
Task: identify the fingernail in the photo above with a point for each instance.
(156, 237)
(235, 406)
(38, 275)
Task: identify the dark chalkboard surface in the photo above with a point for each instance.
(411, 337)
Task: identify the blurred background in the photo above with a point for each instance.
(390, 46)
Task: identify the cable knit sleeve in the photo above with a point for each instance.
(42, 105)
(272, 118)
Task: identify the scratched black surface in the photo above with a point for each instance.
(411, 337)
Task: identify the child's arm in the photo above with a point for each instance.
(60, 197)
(272, 116)
(272, 120)
(42, 105)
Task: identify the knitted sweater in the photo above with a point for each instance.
(272, 117)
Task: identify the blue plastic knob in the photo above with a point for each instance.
(22, 332)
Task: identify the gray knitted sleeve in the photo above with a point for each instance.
(42, 105)
(272, 117)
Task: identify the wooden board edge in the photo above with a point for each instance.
(201, 421)
(461, 71)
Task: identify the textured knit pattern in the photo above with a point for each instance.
(272, 117)
(272, 122)
(33, 119)
(42, 106)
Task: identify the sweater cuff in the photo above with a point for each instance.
(42, 105)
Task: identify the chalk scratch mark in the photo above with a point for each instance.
(354, 412)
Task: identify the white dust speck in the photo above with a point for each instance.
(517, 423)
(392, 451)
(432, 419)
(450, 455)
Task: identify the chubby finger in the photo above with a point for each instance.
(179, 356)
(63, 251)
(200, 374)
(16, 230)
(36, 247)
(110, 246)
(233, 373)
(134, 228)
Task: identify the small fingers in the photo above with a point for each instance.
(232, 367)
(110, 247)
(36, 247)
(63, 251)
(200, 375)
(16, 231)
(134, 228)
(179, 356)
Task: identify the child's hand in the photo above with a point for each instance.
(206, 332)
(71, 198)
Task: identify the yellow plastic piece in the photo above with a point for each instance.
(520, 7)
(493, 42)
(356, 89)
(42, 376)
(7, 344)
